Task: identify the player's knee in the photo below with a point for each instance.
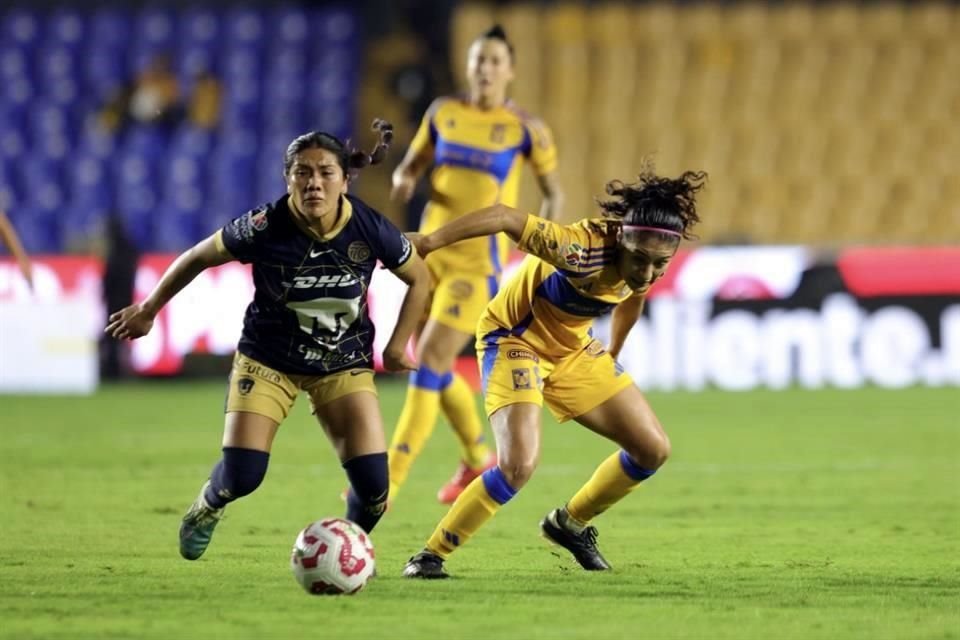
(517, 472)
(652, 452)
(435, 358)
(243, 470)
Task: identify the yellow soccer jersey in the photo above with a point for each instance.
(569, 279)
(477, 156)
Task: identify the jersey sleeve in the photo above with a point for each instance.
(541, 150)
(568, 247)
(393, 248)
(243, 237)
(426, 137)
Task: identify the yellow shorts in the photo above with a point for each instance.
(512, 372)
(459, 297)
(256, 388)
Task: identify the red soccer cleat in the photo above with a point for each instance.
(463, 476)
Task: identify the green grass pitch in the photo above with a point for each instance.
(830, 514)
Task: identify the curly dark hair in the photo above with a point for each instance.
(351, 160)
(654, 201)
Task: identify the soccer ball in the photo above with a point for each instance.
(332, 556)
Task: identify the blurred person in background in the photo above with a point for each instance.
(476, 145)
(534, 345)
(203, 109)
(10, 240)
(121, 257)
(152, 98)
(313, 253)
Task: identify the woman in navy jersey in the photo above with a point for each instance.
(313, 252)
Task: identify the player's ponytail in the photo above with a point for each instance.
(497, 32)
(351, 160)
(654, 202)
(359, 159)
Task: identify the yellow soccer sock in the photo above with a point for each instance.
(459, 405)
(616, 476)
(479, 502)
(417, 420)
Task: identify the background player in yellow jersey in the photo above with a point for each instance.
(534, 345)
(476, 145)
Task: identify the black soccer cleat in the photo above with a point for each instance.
(582, 545)
(426, 565)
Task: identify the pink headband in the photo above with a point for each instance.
(634, 227)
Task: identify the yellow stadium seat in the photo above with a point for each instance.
(747, 20)
(933, 19)
(882, 20)
(820, 123)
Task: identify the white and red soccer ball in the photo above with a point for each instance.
(332, 556)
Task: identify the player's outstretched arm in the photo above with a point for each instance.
(483, 222)
(416, 275)
(625, 315)
(10, 239)
(136, 320)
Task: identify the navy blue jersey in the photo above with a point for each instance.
(309, 310)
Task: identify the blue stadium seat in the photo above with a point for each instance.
(289, 25)
(20, 26)
(199, 26)
(60, 66)
(14, 64)
(245, 26)
(66, 27)
(193, 141)
(155, 27)
(240, 63)
(89, 184)
(137, 207)
(177, 224)
(47, 119)
(95, 141)
(191, 61)
(104, 72)
(54, 64)
(13, 144)
(336, 25)
(110, 28)
(184, 172)
(36, 219)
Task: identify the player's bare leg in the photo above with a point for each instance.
(628, 420)
(434, 386)
(517, 430)
(355, 428)
(247, 438)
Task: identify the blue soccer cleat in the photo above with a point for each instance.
(197, 527)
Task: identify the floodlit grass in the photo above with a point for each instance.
(832, 514)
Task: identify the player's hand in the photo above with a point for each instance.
(420, 243)
(130, 323)
(397, 360)
(403, 186)
(613, 352)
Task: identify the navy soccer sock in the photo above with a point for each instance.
(369, 485)
(238, 474)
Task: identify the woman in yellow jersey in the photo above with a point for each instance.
(476, 145)
(534, 345)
